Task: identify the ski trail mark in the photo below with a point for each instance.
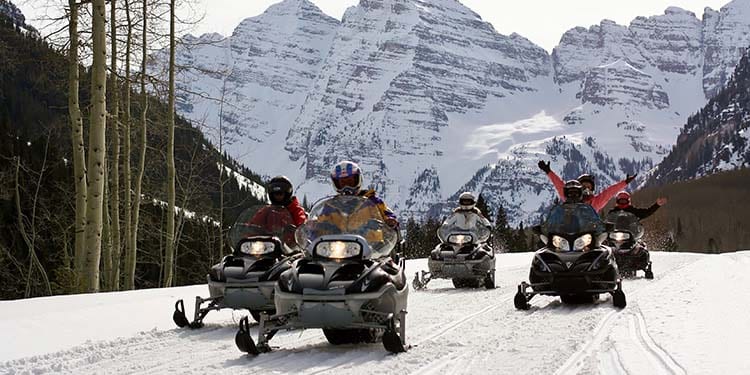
(660, 357)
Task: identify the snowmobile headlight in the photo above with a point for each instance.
(257, 247)
(560, 243)
(338, 249)
(460, 239)
(619, 236)
(582, 242)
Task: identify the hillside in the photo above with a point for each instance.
(716, 138)
(452, 331)
(704, 215)
(34, 131)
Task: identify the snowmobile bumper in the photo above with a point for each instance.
(251, 295)
(548, 283)
(334, 309)
(460, 268)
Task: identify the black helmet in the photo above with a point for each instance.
(587, 178)
(573, 191)
(276, 187)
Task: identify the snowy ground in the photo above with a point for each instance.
(692, 318)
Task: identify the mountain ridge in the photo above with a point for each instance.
(425, 94)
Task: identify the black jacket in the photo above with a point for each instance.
(641, 213)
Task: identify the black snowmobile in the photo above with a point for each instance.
(350, 283)
(464, 256)
(625, 239)
(263, 246)
(574, 264)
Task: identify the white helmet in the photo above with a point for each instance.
(347, 178)
(467, 201)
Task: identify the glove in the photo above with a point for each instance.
(544, 166)
(630, 178)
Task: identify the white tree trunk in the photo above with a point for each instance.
(97, 147)
(171, 195)
(131, 256)
(79, 153)
(114, 190)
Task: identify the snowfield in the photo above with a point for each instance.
(692, 318)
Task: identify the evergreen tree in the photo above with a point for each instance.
(482, 206)
(520, 240)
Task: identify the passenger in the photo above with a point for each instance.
(598, 201)
(624, 204)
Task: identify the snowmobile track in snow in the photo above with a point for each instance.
(660, 356)
(575, 362)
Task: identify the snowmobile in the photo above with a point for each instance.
(463, 255)
(625, 237)
(263, 246)
(574, 263)
(350, 283)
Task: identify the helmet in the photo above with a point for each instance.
(573, 191)
(587, 178)
(347, 178)
(623, 199)
(467, 201)
(280, 190)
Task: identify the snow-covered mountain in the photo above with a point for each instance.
(431, 100)
(670, 326)
(716, 138)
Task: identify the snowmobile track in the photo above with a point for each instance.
(575, 362)
(640, 333)
(457, 323)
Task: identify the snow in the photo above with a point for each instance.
(187, 213)
(257, 190)
(690, 319)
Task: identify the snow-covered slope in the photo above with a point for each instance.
(686, 320)
(716, 138)
(431, 100)
(263, 72)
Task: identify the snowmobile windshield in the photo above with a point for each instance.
(626, 222)
(572, 219)
(348, 214)
(270, 220)
(460, 224)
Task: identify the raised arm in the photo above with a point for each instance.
(553, 177)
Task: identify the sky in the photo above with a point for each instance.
(541, 21)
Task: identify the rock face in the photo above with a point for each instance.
(263, 72)
(396, 70)
(431, 100)
(619, 83)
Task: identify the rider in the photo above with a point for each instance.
(347, 180)
(598, 201)
(624, 204)
(467, 215)
(280, 193)
(573, 192)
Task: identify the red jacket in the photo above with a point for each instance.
(298, 213)
(598, 201)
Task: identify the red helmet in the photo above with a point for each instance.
(623, 199)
